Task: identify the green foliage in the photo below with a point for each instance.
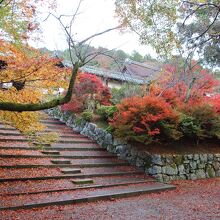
(137, 56)
(106, 112)
(170, 26)
(78, 120)
(170, 130)
(202, 122)
(10, 22)
(127, 90)
(19, 19)
(209, 121)
(87, 115)
(189, 127)
(152, 20)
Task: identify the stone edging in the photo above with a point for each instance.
(163, 167)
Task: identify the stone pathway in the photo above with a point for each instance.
(73, 170)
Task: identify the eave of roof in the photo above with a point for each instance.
(110, 74)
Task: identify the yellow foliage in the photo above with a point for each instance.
(24, 121)
(39, 74)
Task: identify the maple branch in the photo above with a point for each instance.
(19, 107)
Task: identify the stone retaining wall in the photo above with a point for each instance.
(163, 167)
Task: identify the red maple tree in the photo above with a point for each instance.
(88, 88)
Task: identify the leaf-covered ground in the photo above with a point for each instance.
(199, 199)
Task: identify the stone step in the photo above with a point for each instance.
(50, 152)
(2, 127)
(70, 176)
(63, 131)
(42, 171)
(87, 153)
(76, 141)
(68, 131)
(70, 171)
(36, 144)
(22, 139)
(61, 161)
(72, 136)
(81, 145)
(55, 148)
(14, 190)
(52, 122)
(53, 185)
(82, 181)
(57, 156)
(66, 165)
(60, 136)
(64, 136)
(84, 195)
(78, 148)
(10, 134)
(46, 161)
(58, 126)
(80, 141)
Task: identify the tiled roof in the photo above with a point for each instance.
(109, 74)
(147, 70)
(112, 74)
(127, 76)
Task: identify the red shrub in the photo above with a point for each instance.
(88, 88)
(145, 119)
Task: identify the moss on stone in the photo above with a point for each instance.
(173, 165)
(178, 160)
(210, 172)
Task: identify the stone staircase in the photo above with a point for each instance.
(73, 170)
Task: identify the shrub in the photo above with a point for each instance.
(87, 115)
(189, 127)
(201, 122)
(127, 90)
(106, 112)
(146, 120)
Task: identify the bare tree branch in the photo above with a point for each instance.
(97, 34)
(208, 28)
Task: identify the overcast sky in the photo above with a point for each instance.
(95, 16)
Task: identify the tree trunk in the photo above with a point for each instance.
(19, 107)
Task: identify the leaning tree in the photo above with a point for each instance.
(31, 73)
